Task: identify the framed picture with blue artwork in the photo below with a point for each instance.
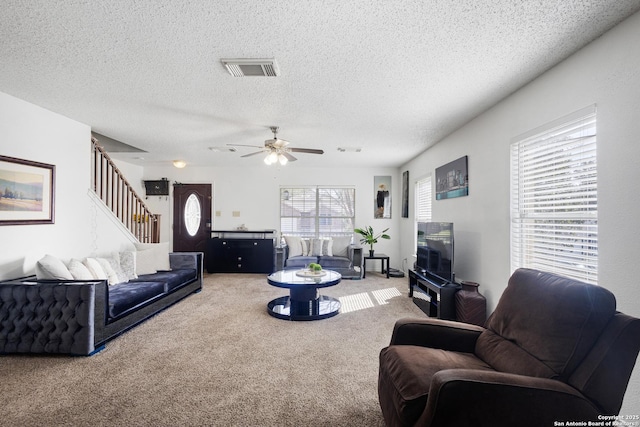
(452, 179)
(27, 190)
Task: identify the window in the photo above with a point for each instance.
(192, 215)
(423, 204)
(554, 205)
(423, 199)
(317, 211)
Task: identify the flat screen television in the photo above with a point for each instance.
(435, 250)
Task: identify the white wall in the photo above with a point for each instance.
(80, 229)
(255, 192)
(606, 73)
(83, 228)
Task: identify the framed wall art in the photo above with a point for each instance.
(452, 179)
(405, 194)
(382, 199)
(27, 192)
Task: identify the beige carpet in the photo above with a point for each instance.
(218, 359)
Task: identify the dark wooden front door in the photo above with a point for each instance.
(191, 217)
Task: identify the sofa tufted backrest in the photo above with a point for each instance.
(544, 324)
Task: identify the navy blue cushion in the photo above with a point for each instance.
(124, 297)
(172, 279)
(330, 262)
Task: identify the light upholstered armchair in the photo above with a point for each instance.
(554, 350)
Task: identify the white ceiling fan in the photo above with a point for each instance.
(278, 150)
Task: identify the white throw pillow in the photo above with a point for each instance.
(341, 246)
(327, 244)
(161, 254)
(79, 271)
(114, 261)
(128, 264)
(306, 246)
(96, 269)
(316, 247)
(146, 262)
(295, 245)
(51, 268)
(112, 276)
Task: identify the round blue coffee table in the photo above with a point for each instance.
(304, 302)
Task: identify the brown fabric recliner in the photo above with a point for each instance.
(555, 349)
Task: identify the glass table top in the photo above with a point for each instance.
(291, 278)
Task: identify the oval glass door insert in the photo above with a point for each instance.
(192, 214)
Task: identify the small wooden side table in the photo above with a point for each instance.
(382, 258)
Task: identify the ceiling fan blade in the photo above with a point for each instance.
(289, 157)
(253, 154)
(306, 150)
(243, 145)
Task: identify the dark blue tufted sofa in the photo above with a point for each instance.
(79, 317)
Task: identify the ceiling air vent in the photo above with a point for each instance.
(251, 67)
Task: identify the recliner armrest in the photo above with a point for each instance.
(436, 333)
(502, 399)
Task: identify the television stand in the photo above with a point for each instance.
(434, 296)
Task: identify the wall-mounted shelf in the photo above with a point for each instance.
(157, 188)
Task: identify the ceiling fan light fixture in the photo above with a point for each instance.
(179, 164)
(271, 158)
(278, 150)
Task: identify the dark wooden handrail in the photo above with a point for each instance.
(114, 190)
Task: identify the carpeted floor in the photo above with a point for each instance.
(218, 359)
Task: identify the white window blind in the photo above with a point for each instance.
(423, 196)
(423, 199)
(554, 204)
(317, 211)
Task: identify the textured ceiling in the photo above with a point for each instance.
(391, 77)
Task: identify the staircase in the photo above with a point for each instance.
(117, 194)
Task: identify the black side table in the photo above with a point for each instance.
(382, 258)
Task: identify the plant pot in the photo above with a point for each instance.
(371, 253)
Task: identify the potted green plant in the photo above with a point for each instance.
(370, 238)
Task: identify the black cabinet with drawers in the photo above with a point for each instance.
(241, 252)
